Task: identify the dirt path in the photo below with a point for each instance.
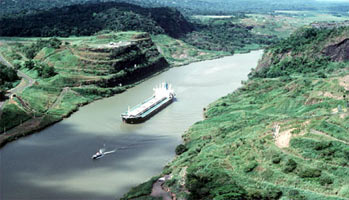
(315, 132)
(158, 191)
(25, 83)
(59, 98)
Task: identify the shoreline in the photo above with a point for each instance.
(6, 138)
(157, 183)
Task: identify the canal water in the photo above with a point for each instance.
(56, 163)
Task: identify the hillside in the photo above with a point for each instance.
(282, 135)
(217, 34)
(70, 72)
(307, 50)
(8, 79)
(88, 19)
(186, 6)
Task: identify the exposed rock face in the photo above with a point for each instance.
(338, 52)
(265, 62)
(110, 65)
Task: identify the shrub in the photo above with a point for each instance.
(7, 74)
(230, 191)
(321, 74)
(290, 166)
(47, 71)
(29, 64)
(309, 173)
(141, 190)
(255, 194)
(212, 184)
(276, 159)
(2, 93)
(250, 167)
(181, 149)
(325, 180)
(322, 145)
(295, 195)
(272, 193)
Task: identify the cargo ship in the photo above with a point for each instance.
(163, 96)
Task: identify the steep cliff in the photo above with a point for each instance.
(338, 52)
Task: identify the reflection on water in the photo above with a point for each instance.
(57, 164)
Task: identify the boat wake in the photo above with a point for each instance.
(108, 152)
(102, 152)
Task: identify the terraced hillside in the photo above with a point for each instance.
(71, 72)
(283, 135)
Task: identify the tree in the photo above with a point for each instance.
(29, 64)
(2, 93)
(47, 71)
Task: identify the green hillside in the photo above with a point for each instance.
(189, 7)
(70, 72)
(283, 135)
(8, 79)
(88, 19)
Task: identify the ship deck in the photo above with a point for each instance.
(147, 106)
(155, 107)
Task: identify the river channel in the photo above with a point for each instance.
(56, 163)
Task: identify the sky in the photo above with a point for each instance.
(334, 0)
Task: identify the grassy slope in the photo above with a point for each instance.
(86, 70)
(179, 53)
(233, 154)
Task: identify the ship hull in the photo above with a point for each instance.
(140, 119)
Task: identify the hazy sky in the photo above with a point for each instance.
(334, 0)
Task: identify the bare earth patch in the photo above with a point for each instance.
(344, 81)
(282, 140)
(330, 95)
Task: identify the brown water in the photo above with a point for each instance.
(56, 163)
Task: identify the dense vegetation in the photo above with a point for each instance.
(214, 34)
(189, 7)
(225, 35)
(7, 78)
(89, 19)
(280, 136)
(302, 53)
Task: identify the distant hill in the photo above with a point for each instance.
(188, 6)
(88, 19)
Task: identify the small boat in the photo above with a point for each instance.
(98, 155)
